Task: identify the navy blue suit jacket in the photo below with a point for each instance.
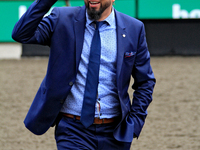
(63, 31)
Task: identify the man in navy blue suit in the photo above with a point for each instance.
(112, 120)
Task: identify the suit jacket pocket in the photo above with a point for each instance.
(129, 56)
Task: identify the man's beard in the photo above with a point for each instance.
(96, 14)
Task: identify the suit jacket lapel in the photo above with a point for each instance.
(121, 38)
(79, 33)
(121, 41)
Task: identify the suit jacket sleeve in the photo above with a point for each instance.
(32, 28)
(144, 82)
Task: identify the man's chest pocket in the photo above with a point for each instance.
(128, 63)
(129, 58)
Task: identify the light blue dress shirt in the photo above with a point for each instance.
(107, 105)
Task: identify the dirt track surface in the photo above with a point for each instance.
(173, 122)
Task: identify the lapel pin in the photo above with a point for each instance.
(123, 35)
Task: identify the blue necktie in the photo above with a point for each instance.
(90, 95)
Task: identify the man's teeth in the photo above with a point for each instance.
(94, 2)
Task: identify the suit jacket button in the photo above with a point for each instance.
(71, 83)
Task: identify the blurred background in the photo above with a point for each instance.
(172, 32)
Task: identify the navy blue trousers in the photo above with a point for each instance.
(70, 134)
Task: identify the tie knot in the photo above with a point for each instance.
(99, 24)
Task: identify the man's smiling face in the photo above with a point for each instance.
(98, 9)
